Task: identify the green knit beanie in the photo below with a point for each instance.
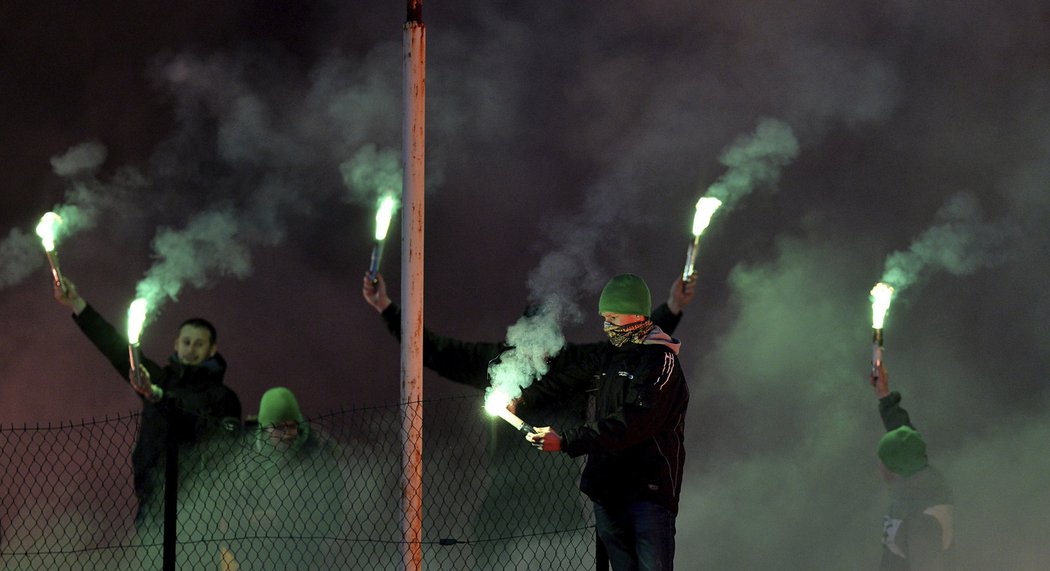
(626, 294)
(278, 405)
(903, 451)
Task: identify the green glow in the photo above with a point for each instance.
(881, 295)
(383, 216)
(705, 209)
(136, 317)
(496, 402)
(46, 230)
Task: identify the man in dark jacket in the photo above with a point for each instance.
(918, 531)
(186, 395)
(467, 362)
(634, 441)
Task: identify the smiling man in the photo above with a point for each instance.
(186, 395)
(633, 438)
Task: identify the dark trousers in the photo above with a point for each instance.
(638, 536)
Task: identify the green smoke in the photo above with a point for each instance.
(372, 173)
(754, 160)
(960, 243)
(210, 244)
(85, 200)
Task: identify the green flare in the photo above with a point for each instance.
(383, 216)
(47, 228)
(881, 295)
(136, 319)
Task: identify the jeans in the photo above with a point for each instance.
(638, 536)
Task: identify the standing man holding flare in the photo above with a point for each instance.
(634, 441)
(186, 395)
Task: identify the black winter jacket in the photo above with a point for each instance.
(634, 439)
(195, 400)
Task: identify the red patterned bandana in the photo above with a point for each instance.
(631, 333)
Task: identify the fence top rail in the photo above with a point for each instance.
(27, 426)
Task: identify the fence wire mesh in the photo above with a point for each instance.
(330, 501)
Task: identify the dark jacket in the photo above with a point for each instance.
(195, 400)
(467, 362)
(634, 440)
(919, 527)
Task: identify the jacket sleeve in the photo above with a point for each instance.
(655, 401)
(461, 362)
(570, 372)
(664, 319)
(893, 414)
(111, 343)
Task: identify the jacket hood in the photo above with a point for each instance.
(658, 337)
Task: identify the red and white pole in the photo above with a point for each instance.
(413, 138)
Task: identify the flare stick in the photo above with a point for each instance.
(705, 209)
(515, 421)
(46, 230)
(881, 296)
(136, 319)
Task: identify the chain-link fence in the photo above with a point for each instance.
(331, 501)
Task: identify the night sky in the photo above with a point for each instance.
(568, 142)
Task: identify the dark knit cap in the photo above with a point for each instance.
(627, 294)
(903, 451)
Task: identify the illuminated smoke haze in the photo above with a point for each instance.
(566, 145)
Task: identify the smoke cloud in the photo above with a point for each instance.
(960, 243)
(571, 148)
(371, 174)
(754, 161)
(209, 245)
(86, 199)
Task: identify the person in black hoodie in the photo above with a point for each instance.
(634, 441)
(186, 395)
(918, 531)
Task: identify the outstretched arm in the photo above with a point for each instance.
(893, 414)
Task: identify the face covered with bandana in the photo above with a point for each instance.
(623, 329)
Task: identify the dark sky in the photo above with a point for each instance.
(567, 142)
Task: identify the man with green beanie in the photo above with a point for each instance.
(918, 531)
(290, 490)
(634, 433)
(281, 424)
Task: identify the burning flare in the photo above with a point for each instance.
(136, 319)
(496, 405)
(705, 209)
(881, 295)
(46, 229)
(383, 216)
